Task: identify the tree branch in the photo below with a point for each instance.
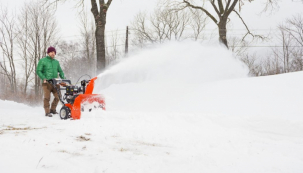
(248, 31)
(108, 3)
(94, 9)
(220, 4)
(205, 11)
(216, 9)
(232, 7)
(227, 6)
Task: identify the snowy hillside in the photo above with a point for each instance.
(176, 108)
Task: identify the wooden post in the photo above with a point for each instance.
(126, 42)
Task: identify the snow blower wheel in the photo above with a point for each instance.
(64, 113)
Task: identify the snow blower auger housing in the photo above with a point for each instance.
(75, 96)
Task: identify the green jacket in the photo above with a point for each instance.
(48, 68)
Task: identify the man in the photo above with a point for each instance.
(48, 68)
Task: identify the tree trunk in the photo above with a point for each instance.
(100, 21)
(222, 32)
(36, 75)
(100, 43)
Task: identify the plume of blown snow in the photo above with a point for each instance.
(163, 77)
(175, 62)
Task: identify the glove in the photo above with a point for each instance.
(63, 84)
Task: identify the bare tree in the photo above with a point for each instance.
(142, 31)
(286, 52)
(24, 46)
(291, 40)
(88, 41)
(8, 36)
(297, 62)
(3, 83)
(69, 51)
(113, 50)
(286, 56)
(294, 27)
(252, 64)
(70, 54)
(238, 46)
(42, 30)
(197, 22)
(270, 66)
(222, 10)
(166, 23)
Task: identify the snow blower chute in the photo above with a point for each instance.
(75, 96)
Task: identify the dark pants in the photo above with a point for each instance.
(47, 89)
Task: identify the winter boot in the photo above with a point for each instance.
(49, 115)
(53, 112)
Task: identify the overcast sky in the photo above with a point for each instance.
(122, 12)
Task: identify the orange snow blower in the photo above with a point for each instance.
(76, 96)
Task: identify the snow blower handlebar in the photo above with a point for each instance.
(61, 82)
(72, 91)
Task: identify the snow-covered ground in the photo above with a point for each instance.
(175, 108)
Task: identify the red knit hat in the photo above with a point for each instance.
(51, 49)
